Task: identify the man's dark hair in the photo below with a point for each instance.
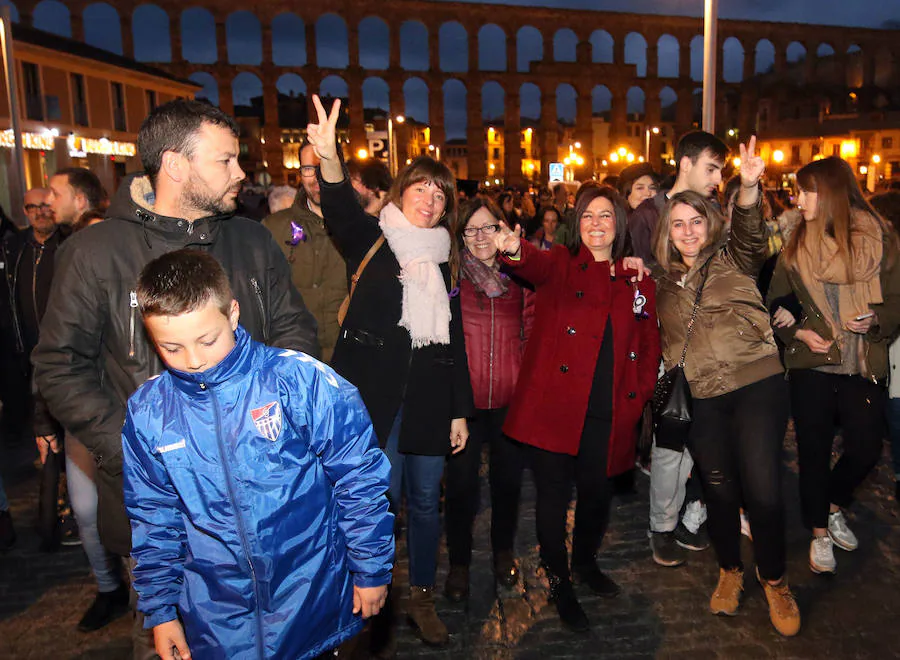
(181, 282)
(693, 144)
(173, 126)
(86, 183)
(375, 176)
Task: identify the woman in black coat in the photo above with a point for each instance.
(401, 342)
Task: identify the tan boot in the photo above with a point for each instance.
(422, 615)
(783, 610)
(727, 596)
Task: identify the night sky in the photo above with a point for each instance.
(244, 47)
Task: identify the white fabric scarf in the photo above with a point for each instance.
(426, 307)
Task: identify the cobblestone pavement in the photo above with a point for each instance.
(661, 612)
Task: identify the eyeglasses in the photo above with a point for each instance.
(37, 207)
(487, 230)
(308, 170)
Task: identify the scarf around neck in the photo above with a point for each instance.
(818, 264)
(419, 251)
(487, 280)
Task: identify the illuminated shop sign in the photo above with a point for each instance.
(79, 147)
(43, 142)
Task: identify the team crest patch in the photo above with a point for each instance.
(268, 420)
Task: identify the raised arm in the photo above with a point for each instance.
(748, 241)
(531, 264)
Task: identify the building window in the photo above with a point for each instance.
(79, 100)
(118, 99)
(816, 150)
(887, 143)
(151, 100)
(835, 150)
(496, 153)
(34, 102)
(795, 154)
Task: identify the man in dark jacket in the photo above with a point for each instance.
(93, 354)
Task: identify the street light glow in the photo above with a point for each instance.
(614, 157)
(655, 130)
(863, 169)
(622, 151)
(630, 157)
(876, 159)
(399, 119)
(362, 154)
(737, 161)
(778, 155)
(578, 145)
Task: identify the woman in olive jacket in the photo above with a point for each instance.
(841, 263)
(739, 394)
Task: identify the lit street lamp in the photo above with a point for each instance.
(392, 153)
(655, 131)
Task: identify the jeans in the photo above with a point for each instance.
(421, 477)
(736, 440)
(464, 490)
(669, 472)
(83, 497)
(554, 474)
(893, 422)
(857, 405)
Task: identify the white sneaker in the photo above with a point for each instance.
(842, 536)
(821, 555)
(694, 516)
(745, 525)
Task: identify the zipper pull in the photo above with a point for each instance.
(133, 303)
(133, 296)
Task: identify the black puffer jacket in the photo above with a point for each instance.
(93, 353)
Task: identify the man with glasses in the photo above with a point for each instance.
(317, 268)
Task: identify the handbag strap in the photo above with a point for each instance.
(365, 262)
(696, 308)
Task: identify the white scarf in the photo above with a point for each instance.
(426, 307)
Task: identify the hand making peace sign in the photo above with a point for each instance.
(752, 166)
(323, 135)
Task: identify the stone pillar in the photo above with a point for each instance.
(310, 29)
(548, 47)
(436, 115)
(869, 64)
(353, 44)
(358, 139)
(619, 49)
(684, 59)
(512, 55)
(77, 21)
(809, 65)
(226, 97)
(584, 133)
(175, 41)
(221, 42)
(472, 34)
(313, 81)
(652, 60)
(267, 53)
(684, 110)
(749, 64)
(475, 136)
(127, 36)
(434, 49)
(618, 114)
(271, 130)
(780, 58)
(394, 46)
(512, 138)
(395, 95)
(547, 134)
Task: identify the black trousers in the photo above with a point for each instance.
(820, 401)
(461, 500)
(554, 475)
(736, 441)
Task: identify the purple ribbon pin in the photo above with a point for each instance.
(298, 234)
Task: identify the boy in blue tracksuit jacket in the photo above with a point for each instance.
(254, 484)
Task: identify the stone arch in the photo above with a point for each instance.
(210, 90)
(198, 36)
(453, 48)
(54, 17)
(334, 87)
(824, 50)
(243, 34)
(492, 48)
(493, 102)
(732, 60)
(415, 100)
(414, 46)
(529, 103)
(855, 66)
(564, 45)
(601, 101)
(765, 56)
(636, 52)
(293, 108)
(288, 40)
(150, 30)
(566, 104)
(247, 94)
(795, 52)
(374, 44)
(636, 101)
(529, 47)
(668, 50)
(332, 51)
(376, 94)
(455, 113)
(697, 106)
(602, 47)
(103, 27)
(668, 101)
(13, 10)
(697, 58)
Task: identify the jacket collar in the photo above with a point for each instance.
(239, 362)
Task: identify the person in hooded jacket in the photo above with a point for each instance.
(93, 353)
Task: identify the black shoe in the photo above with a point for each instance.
(696, 541)
(68, 530)
(562, 594)
(106, 608)
(600, 583)
(505, 570)
(666, 551)
(456, 589)
(7, 531)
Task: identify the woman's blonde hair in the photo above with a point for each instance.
(668, 257)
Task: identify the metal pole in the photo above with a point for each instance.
(647, 145)
(710, 53)
(391, 146)
(16, 173)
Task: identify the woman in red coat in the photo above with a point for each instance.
(590, 366)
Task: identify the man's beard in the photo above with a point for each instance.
(198, 196)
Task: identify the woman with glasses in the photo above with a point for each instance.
(589, 368)
(496, 315)
(401, 342)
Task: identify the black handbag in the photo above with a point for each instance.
(672, 401)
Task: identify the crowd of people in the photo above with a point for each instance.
(249, 408)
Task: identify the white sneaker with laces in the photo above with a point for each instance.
(840, 533)
(821, 555)
(694, 516)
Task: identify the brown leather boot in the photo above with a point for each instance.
(423, 616)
